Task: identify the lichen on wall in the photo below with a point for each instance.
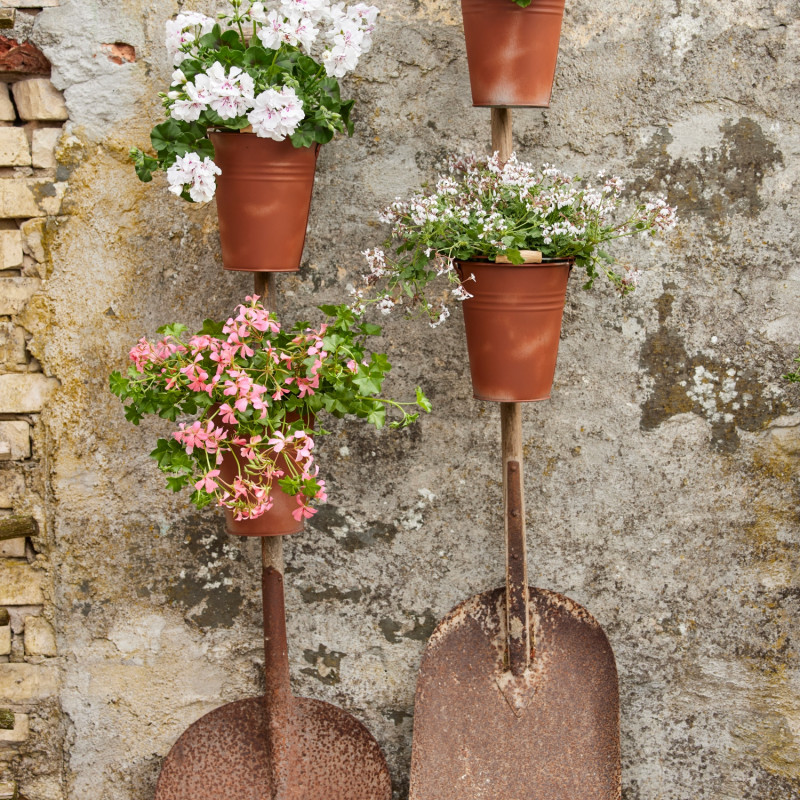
(662, 479)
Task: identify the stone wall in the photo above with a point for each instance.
(661, 479)
(32, 113)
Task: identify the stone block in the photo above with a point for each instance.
(14, 148)
(12, 350)
(12, 487)
(10, 242)
(25, 393)
(12, 548)
(8, 18)
(26, 683)
(5, 640)
(44, 147)
(38, 99)
(29, 198)
(17, 435)
(8, 790)
(20, 584)
(40, 638)
(20, 731)
(7, 111)
(32, 231)
(15, 294)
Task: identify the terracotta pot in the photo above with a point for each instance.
(513, 325)
(278, 521)
(512, 51)
(263, 199)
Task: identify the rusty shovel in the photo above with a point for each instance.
(517, 695)
(275, 747)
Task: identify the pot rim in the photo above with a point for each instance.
(286, 140)
(545, 262)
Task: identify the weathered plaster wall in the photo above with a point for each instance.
(661, 479)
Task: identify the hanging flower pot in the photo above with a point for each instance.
(512, 51)
(248, 392)
(275, 73)
(513, 326)
(263, 199)
(495, 220)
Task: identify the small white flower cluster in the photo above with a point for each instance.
(444, 313)
(376, 261)
(197, 174)
(664, 216)
(184, 30)
(299, 23)
(348, 34)
(230, 94)
(274, 114)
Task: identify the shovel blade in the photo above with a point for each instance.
(551, 734)
(224, 755)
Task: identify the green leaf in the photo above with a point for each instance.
(605, 256)
(132, 415)
(118, 384)
(177, 482)
(367, 384)
(377, 417)
(175, 330)
(302, 137)
(232, 40)
(258, 56)
(164, 135)
(423, 401)
(514, 256)
(144, 165)
(212, 328)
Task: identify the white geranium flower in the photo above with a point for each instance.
(303, 30)
(198, 174)
(231, 94)
(340, 60)
(197, 100)
(316, 10)
(271, 33)
(182, 30)
(276, 114)
(368, 15)
(257, 13)
(334, 15)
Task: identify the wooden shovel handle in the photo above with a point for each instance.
(502, 143)
(518, 640)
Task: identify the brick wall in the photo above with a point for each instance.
(32, 113)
